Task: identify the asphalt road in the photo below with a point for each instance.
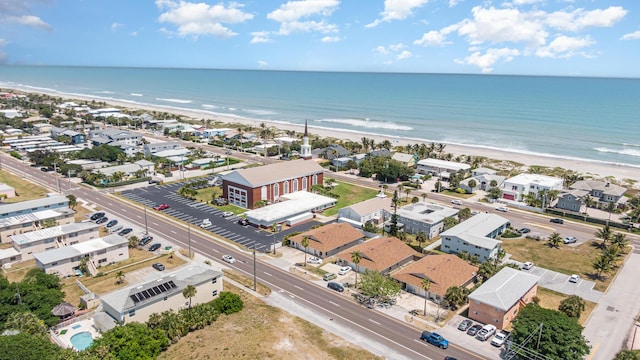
(385, 330)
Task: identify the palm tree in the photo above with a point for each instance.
(72, 201)
(365, 144)
(407, 191)
(189, 292)
(601, 265)
(421, 238)
(119, 277)
(356, 256)
(424, 197)
(305, 244)
(604, 234)
(620, 241)
(555, 240)
(425, 284)
(472, 184)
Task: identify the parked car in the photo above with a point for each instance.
(524, 231)
(474, 329)
(145, 240)
(161, 207)
(486, 332)
(228, 258)
(45, 169)
(329, 276)
(97, 216)
(527, 266)
(344, 270)
(154, 247)
(243, 222)
(158, 266)
(314, 260)
(335, 286)
(557, 221)
(124, 232)
(456, 202)
(154, 182)
(574, 278)
(205, 223)
(112, 223)
(500, 338)
(220, 201)
(434, 339)
(502, 208)
(227, 214)
(115, 229)
(102, 220)
(465, 324)
(569, 240)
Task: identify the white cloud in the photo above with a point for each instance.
(328, 39)
(404, 55)
(29, 20)
(580, 19)
(381, 50)
(453, 3)
(502, 25)
(565, 46)
(397, 47)
(133, 33)
(290, 15)
(193, 19)
(115, 26)
(432, 38)
(526, 2)
(263, 64)
(631, 36)
(486, 61)
(260, 37)
(397, 10)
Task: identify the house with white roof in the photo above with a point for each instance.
(499, 300)
(517, 187)
(54, 201)
(142, 166)
(369, 210)
(291, 208)
(268, 183)
(405, 159)
(162, 293)
(106, 136)
(441, 168)
(20, 224)
(483, 182)
(54, 237)
(66, 260)
(9, 256)
(421, 216)
(475, 236)
(152, 148)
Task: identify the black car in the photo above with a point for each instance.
(97, 216)
(557, 221)
(154, 247)
(45, 169)
(524, 231)
(474, 329)
(102, 220)
(112, 223)
(465, 325)
(124, 232)
(145, 240)
(335, 286)
(158, 266)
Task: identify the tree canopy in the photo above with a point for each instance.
(560, 337)
(374, 284)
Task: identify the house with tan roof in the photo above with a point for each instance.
(245, 187)
(443, 272)
(380, 254)
(369, 210)
(328, 240)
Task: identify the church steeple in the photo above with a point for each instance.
(305, 149)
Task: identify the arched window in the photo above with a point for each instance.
(304, 183)
(276, 191)
(314, 180)
(285, 187)
(263, 193)
(295, 185)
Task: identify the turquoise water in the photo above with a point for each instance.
(583, 118)
(81, 340)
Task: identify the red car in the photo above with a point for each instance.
(161, 207)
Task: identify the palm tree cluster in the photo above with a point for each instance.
(611, 252)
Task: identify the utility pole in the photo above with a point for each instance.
(189, 236)
(55, 171)
(146, 226)
(254, 265)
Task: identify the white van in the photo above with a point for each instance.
(205, 223)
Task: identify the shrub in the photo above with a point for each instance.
(228, 303)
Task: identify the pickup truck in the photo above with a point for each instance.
(434, 339)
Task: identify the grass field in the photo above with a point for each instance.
(550, 299)
(567, 260)
(25, 190)
(349, 195)
(260, 331)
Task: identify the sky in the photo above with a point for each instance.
(526, 37)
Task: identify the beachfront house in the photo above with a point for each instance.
(499, 300)
(483, 182)
(441, 168)
(107, 136)
(519, 186)
(603, 191)
(428, 218)
(409, 160)
(381, 254)
(268, 183)
(153, 148)
(163, 292)
(475, 236)
(443, 271)
(328, 240)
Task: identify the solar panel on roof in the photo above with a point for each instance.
(162, 288)
(157, 290)
(134, 298)
(145, 294)
(172, 284)
(151, 292)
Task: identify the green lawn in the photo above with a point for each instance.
(550, 299)
(206, 194)
(25, 190)
(349, 195)
(567, 260)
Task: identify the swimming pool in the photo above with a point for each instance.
(81, 340)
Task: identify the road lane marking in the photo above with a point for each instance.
(266, 273)
(173, 232)
(373, 321)
(297, 287)
(334, 304)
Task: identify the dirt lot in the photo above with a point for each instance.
(263, 332)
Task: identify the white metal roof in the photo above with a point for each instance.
(296, 203)
(504, 289)
(52, 232)
(79, 249)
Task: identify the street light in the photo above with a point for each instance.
(254, 265)
(146, 226)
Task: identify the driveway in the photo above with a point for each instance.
(560, 282)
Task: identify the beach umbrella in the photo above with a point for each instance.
(63, 310)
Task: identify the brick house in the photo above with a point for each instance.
(329, 239)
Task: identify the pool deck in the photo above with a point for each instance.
(64, 340)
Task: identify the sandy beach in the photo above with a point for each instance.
(626, 175)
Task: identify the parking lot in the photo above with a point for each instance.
(560, 282)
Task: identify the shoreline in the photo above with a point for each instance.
(589, 168)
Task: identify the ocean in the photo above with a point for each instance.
(592, 119)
